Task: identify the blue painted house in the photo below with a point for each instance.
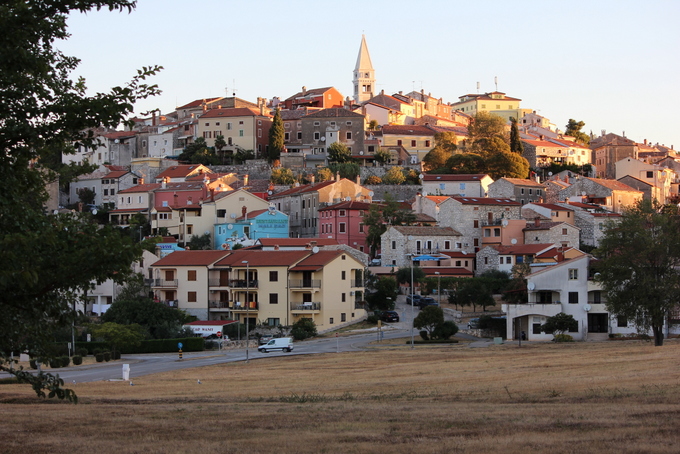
(270, 223)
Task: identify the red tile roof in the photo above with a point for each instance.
(485, 201)
(523, 182)
(116, 174)
(191, 258)
(296, 242)
(612, 184)
(141, 188)
(256, 257)
(231, 112)
(196, 103)
(351, 205)
(407, 130)
(182, 171)
(551, 206)
(318, 260)
(457, 177)
(523, 249)
(252, 214)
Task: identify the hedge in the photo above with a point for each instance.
(191, 344)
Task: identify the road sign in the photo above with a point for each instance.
(180, 345)
(219, 334)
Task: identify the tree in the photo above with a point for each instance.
(559, 324)
(444, 148)
(395, 175)
(86, 196)
(516, 289)
(639, 260)
(220, 143)
(199, 153)
(507, 164)
(473, 292)
(516, 145)
(349, 170)
(382, 157)
(303, 329)
(200, 242)
(373, 179)
(373, 125)
(338, 153)
(383, 295)
(404, 275)
(276, 138)
(119, 336)
(242, 156)
(483, 128)
(47, 262)
(282, 176)
(466, 163)
(429, 319)
(324, 174)
(574, 130)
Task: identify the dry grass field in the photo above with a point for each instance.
(621, 397)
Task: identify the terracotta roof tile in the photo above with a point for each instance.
(191, 258)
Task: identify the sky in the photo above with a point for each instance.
(614, 64)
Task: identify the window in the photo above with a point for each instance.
(361, 228)
(316, 123)
(564, 231)
(286, 136)
(299, 136)
(573, 297)
(273, 276)
(496, 232)
(273, 298)
(191, 275)
(621, 321)
(399, 142)
(501, 260)
(343, 317)
(343, 275)
(394, 244)
(113, 192)
(240, 132)
(536, 328)
(191, 297)
(650, 174)
(331, 320)
(106, 192)
(342, 228)
(228, 126)
(344, 297)
(317, 136)
(349, 135)
(521, 191)
(240, 122)
(476, 223)
(413, 143)
(273, 321)
(573, 274)
(427, 143)
(206, 134)
(458, 263)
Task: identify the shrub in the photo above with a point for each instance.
(107, 356)
(563, 338)
(99, 357)
(115, 354)
(55, 363)
(424, 335)
(81, 351)
(445, 330)
(33, 362)
(303, 329)
(65, 361)
(372, 319)
(77, 360)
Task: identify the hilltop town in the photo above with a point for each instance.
(207, 177)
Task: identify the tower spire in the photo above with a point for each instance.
(364, 74)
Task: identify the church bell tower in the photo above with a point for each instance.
(364, 75)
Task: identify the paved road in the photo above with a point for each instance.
(163, 362)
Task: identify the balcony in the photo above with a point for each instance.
(498, 221)
(304, 283)
(305, 308)
(243, 283)
(241, 307)
(218, 282)
(165, 284)
(219, 305)
(357, 282)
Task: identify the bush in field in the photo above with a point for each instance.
(77, 360)
(99, 357)
(303, 329)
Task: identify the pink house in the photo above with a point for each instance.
(344, 222)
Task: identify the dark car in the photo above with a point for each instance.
(427, 301)
(389, 316)
(416, 298)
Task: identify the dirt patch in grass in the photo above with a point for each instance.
(558, 398)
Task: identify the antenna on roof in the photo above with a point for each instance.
(495, 81)
(477, 87)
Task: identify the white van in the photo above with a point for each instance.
(285, 344)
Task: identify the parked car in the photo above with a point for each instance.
(473, 323)
(427, 301)
(285, 344)
(389, 316)
(266, 338)
(416, 298)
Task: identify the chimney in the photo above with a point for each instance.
(276, 247)
(140, 181)
(312, 179)
(164, 183)
(645, 141)
(537, 221)
(212, 194)
(337, 176)
(245, 180)
(153, 118)
(566, 178)
(358, 179)
(244, 211)
(304, 90)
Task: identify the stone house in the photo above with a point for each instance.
(653, 180)
(463, 185)
(521, 190)
(322, 128)
(592, 221)
(503, 258)
(548, 211)
(611, 195)
(428, 205)
(399, 241)
(468, 216)
(560, 233)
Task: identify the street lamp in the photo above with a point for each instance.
(410, 256)
(247, 309)
(439, 286)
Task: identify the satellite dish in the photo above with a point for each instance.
(225, 246)
(513, 241)
(587, 308)
(315, 249)
(94, 211)
(232, 215)
(323, 139)
(583, 193)
(549, 174)
(229, 226)
(370, 194)
(55, 212)
(116, 141)
(361, 153)
(348, 198)
(421, 176)
(206, 232)
(531, 286)
(270, 192)
(504, 222)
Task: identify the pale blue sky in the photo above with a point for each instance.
(613, 64)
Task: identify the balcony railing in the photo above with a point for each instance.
(218, 282)
(304, 283)
(498, 221)
(218, 304)
(357, 282)
(171, 303)
(165, 283)
(243, 283)
(305, 306)
(241, 307)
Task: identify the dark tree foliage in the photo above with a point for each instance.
(516, 145)
(200, 242)
(574, 130)
(560, 323)
(47, 262)
(383, 295)
(276, 138)
(349, 170)
(639, 265)
(199, 153)
(429, 319)
(338, 153)
(379, 217)
(473, 292)
(303, 329)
